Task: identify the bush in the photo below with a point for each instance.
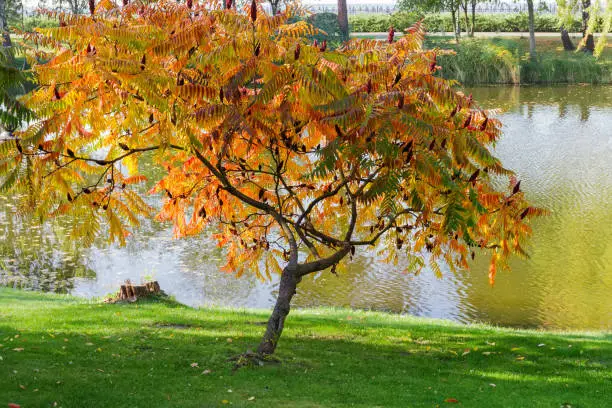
(504, 61)
(443, 22)
(580, 68)
(30, 23)
(481, 62)
(327, 22)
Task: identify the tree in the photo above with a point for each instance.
(432, 6)
(469, 24)
(587, 34)
(590, 14)
(297, 156)
(76, 6)
(6, 38)
(343, 19)
(532, 41)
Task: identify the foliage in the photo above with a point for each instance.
(441, 22)
(597, 19)
(159, 354)
(13, 10)
(505, 61)
(32, 22)
(328, 24)
(12, 83)
(576, 68)
(426, 6)
(295, 154)
(481, 62)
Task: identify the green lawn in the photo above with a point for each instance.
(80, 353)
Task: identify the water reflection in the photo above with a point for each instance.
(557, 139)
(37, 257)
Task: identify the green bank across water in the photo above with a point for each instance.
(80, 353)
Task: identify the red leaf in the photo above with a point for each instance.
(391, 35)
(452, 400)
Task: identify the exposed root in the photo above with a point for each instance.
(250, 359)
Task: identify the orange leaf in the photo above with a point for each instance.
(451, 400)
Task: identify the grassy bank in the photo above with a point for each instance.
(500, 60)
(506, 61)
(156, 354)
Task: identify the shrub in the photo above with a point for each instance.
(481, 62)
(30, 23)
(327, 22)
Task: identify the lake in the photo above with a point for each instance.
(557, 139)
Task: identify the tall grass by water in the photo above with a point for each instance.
(506, 61)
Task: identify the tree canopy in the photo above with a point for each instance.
(294, 155)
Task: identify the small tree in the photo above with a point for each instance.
(434, 6)
(296, 155)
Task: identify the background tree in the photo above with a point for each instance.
(532, 40)
(591, 16)
(75, 6)
(295, 155)
(470, 23)
(436, 6)
(343, 19)
(4, 29)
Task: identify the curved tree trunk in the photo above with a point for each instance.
(567, 41)
(589, 42)
(276, 322)
(343, 19)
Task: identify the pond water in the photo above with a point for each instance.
(558, 140)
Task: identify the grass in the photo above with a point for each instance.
(500, 60)
(80, 353)
(506, 61)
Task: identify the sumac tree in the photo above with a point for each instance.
(296, 155)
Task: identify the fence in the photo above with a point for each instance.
(493, 7)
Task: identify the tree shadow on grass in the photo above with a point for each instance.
(119, 355)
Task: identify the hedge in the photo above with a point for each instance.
(517, 22)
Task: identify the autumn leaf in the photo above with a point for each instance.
(451, 400)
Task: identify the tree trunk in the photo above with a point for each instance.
(288, 285)
(589, 42)
(456, 28)
(6, 38)
(473, 26)
(567, 41)
(343, 19)
(274, 6)
(532, 41)
(464, 6)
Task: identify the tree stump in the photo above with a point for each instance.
(131, 293)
